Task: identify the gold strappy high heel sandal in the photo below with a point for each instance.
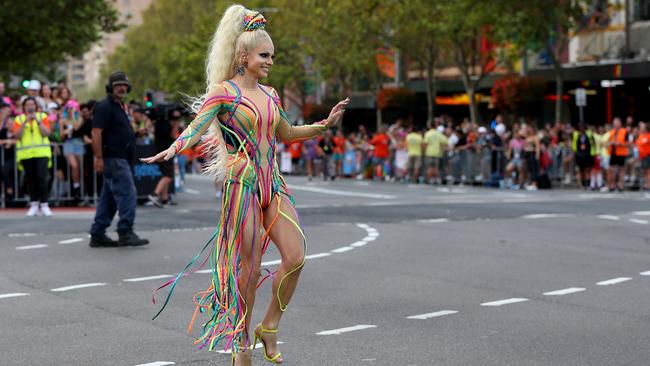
(259, 330)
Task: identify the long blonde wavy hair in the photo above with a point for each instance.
(224, 54)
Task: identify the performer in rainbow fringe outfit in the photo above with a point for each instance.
(245, 118)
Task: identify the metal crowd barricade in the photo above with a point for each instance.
(19, 194)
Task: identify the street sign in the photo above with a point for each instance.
(581, 97)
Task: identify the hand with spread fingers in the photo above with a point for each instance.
(161, 156)
(337, 113)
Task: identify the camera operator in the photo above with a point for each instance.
(114, 147)
(165, 134)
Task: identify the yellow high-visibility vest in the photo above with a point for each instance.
(32, 144)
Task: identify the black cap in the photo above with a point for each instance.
(117, 78)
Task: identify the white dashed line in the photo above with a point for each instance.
(157, 363)
(15, 294)
(546, 216)
(208, 270)
(35, 246)
(504, 301)
(71, 241)
(566, 291)
(432, 315)
(641, 213)
(639, 221)
(646, 273)
(317, 255)
(272, 263)
(609, 217)
(75, 287)
(341, 193)
(257, 346)
(342, 249)
(148, 278)
(345, 330)
(613, 281)
(433, 221)
(18, 235)
(192, 191)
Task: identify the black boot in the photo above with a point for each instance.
(102, 241)
(129, 238)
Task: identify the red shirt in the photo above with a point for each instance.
(295, 148)
(380, 141)
(339, 144)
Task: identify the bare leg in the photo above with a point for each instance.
(289, 241)
(251, 256)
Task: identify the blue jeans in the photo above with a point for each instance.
(118, 195)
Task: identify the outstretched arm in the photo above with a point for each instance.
(191, 135)
(289, 133)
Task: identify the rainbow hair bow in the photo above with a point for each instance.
(253, 22)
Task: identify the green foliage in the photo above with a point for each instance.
(35, 34)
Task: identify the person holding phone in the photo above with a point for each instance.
(33, 153)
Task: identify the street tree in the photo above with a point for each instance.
(471, 29)
(35, 34)
(417, 33)
(544, 25)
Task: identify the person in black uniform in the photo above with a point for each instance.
(113, 143)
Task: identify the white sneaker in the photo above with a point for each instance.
(604, 189)
(45, 209)
(33, 209)
(531, 188)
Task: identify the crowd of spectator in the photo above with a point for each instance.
(521, 156)
(46, 153)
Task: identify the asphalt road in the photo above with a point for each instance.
(397, 275)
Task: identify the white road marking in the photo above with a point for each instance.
(566, 291)
(432, 315)
(433, 221)
(546, 216)
(317, 255)
(641, 213)
(646, 273)
(359, 243)
(15, 294)
(613, 281)
(17, 235)
(140, 279)
(272, 263)
(191, 191)
(504, 301)
(157, 363)
(74, 287)
(257, 346)
(363, 226)
(71, 241)
(370, 238)
(609, 217)
(336, 192)
(345, 330)
(342, 250)
(209, 270)
(35, 246)
(639, 221)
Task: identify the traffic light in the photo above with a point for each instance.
(148, 99)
